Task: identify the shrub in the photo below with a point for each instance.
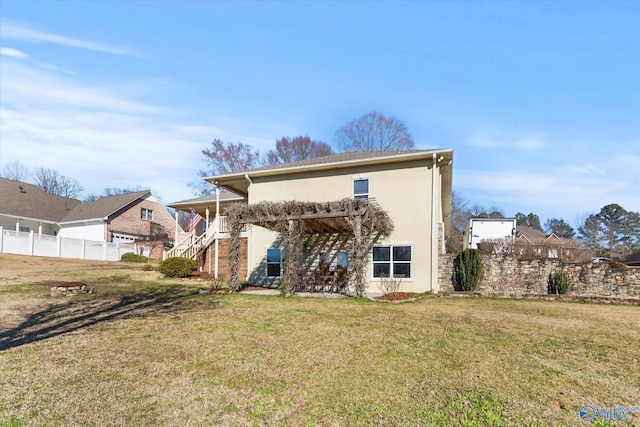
(617, 265)
(177, 267)
(217, 283)
(147, 267)
(469, 269)
(131, 257)
(561, 282)
(389, 285)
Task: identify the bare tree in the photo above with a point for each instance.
(16, 171)
(222, 158)
(294, 149)
(374, 132)
(478, 211)
(228, 157)
(113, 191)
(460, 215)
(52, 182)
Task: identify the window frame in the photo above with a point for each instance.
(279, 263)
(391, 261)
(146, 214)
(361, 195)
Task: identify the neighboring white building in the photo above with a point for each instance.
(480, 229)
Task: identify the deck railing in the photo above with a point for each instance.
(190, 244)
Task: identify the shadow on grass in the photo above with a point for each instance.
(77, 314)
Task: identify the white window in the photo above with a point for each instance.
(392, 261)
(274, 262)
(361, 188)
(146, 214)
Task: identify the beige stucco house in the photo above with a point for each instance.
(412, 187)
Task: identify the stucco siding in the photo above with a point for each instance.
(403, 190)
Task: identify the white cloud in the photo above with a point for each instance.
(108, 135)
(564, 192)
(23, 33)
(481, 141)
(530, 143)
(584, 169)
(101, 134)
(39, 87)
(14, 53)
(527, 143)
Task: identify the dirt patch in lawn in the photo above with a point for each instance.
(399, 297)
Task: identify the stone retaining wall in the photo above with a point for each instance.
(505, 275)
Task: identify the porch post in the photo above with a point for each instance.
(215, 260)
(217, 200)
(175, 236)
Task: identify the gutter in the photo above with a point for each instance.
(78, 221)
(434, 238)
(44, 221)
(392, 158)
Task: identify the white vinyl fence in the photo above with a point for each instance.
(21, 243)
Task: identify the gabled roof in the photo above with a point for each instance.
(535, 236)
(531, 234)
(24, 200)
(337, 158)
(104, 206)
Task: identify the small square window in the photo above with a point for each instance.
(146, 214)
(361, 188)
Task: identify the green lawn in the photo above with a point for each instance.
(154, 352)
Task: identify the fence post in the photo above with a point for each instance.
(1, 240)
(59, 246)
(82, 247)
(31, 242)
(104, 251)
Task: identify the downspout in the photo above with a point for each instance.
(434, 238)
(249, 198)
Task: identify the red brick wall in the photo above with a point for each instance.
(128, 220)
(223, 254)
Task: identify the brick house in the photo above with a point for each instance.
(127, 217)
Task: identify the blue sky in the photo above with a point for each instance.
(540, 101)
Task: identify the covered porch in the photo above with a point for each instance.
(208, 233)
